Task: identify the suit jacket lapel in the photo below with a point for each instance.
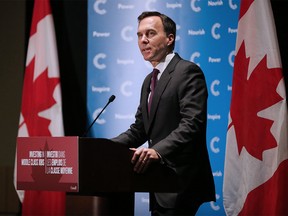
(161, 86)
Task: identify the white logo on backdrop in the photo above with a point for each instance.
(215, 3)
(125, 116)
(125, 7)
(212, 88)
(178, 27)
(173, 5)
(193, 56)
(212, 145)
(101, 34)
(100, 121)
(100, 89)
(125, 33)
(232, 31)
(231, 5)
(96, 62)
(230, 58)
(196, 32)
(97, 9)
(217, 173)
(194, 7)
(124, 90)
(213, 31)
(214, 117)
(213, 204)
(125, 61)
(214, 60)
(148, 5)
(229, 88)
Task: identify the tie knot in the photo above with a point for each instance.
(155, 70)
(155, 73)
(154, 79)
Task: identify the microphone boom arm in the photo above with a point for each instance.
(111, 99)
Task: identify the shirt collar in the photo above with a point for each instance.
(162, 65)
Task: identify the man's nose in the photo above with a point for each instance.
(144, 39)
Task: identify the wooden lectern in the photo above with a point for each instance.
(104, 169)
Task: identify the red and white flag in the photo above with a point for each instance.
(256, 164)
(41, 110)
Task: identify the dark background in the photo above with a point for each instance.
(70, 20)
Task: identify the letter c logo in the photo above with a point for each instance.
(148, 3)
(96, 61)
(123, 88)
(212, 87)
(232, 6)
(213, 206)
(124, 33)
(212, 144)
(194, 7)
(213, 31)
(231, 55)
(99, 120)
(193, 56)
(97, 9)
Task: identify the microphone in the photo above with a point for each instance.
(111, 99)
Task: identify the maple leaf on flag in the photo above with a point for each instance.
(251, 95)
(38, 96)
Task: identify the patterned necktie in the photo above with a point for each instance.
(152, 87)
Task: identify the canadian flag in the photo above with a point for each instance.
(256, 163)
(41, 110)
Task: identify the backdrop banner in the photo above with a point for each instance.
(206, 35)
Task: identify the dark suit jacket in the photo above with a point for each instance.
(176, 129)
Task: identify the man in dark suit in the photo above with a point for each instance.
(172, 118)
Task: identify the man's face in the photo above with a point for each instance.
(152, 40)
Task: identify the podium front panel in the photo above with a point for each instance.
(47, 163)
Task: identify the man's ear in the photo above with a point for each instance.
(171, 39)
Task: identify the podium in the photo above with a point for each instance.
(86, 166)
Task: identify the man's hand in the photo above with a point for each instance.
(142, 158)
